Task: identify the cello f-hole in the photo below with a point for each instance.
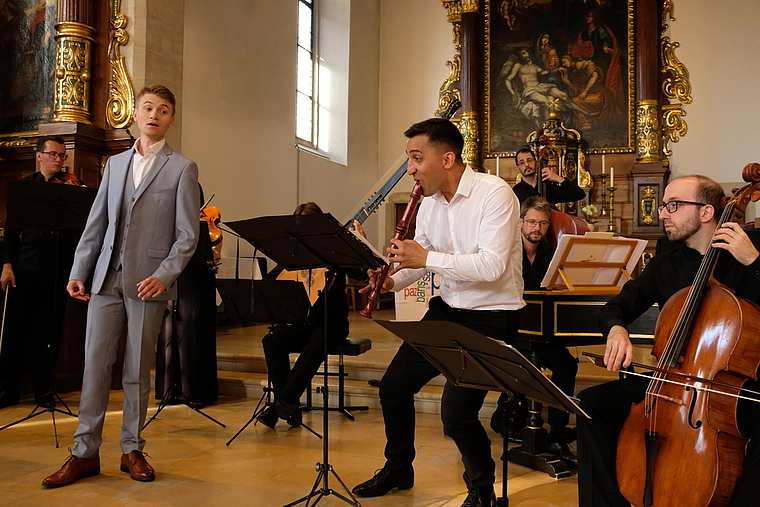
(698, 424)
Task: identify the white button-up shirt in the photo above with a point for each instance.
(141, 164)
(474, 244)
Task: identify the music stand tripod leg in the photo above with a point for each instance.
(174, 391)
(324, 467)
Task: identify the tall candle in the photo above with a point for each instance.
(497, 165)
(612, 176)
(604, 170)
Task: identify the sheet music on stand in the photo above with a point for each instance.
(596, 260)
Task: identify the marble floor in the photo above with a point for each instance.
(262, 467)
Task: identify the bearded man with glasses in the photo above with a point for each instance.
(535, 214)
(690, 215)
(36, 306)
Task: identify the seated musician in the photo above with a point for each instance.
(535, 214)
(308, 339)
(557, 188)
(690, 215)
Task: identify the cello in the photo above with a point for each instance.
(682, 444)
(560, 222)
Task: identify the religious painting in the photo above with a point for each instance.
(573, 58)
(27, 63)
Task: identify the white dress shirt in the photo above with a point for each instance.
(474, 244)
(141, 164)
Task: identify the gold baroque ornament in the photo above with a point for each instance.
(674, 126)
(72, 72)
(676, 84)
(121, 95)
(468, 126)
(453, 8)
(470, 5)
(647, 131)
(648, 205)
(449, 90)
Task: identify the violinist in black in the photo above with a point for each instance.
(308, 339)
(558, 189)
(36, 265)
(689, 214)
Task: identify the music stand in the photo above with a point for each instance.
(58, 207)
(469, 359)
(276, 302)
(173, 391)
(307, 242)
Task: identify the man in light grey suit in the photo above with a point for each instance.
(141, 232)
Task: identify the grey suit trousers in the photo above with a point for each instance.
(110, 313)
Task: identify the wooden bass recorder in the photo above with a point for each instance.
(402, 227)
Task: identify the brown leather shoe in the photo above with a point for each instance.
(73, 469)
(137, 466)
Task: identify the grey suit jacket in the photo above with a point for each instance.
(161, 224)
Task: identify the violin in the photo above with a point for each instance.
(212, 216)
(560, 222)
(682, 444)
(65, 178)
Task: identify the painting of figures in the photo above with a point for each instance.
(27, 61)
(569, 57)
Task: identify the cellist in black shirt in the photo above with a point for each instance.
(690, 216)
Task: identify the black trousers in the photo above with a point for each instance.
(283, 340)
(608, 405)
(408, 372)
(36, 309)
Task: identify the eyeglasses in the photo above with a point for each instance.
(526, 161)
(53, 154)
(672, 206)
(533, 223)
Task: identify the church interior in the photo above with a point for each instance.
(289, 101)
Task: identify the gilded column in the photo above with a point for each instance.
(471, 82)
(648, 129)
(73, 61)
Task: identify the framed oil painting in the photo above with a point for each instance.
(27, 63)
(570, 57)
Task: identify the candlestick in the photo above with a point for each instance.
(497, 165)
(611, 223)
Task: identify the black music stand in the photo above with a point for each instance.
(276, 302)
(61, 208)
(174, 391)
(469, 359)
(308, 242)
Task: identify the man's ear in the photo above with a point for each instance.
(708, 213)
(449, 159)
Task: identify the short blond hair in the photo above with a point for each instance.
(159, 91)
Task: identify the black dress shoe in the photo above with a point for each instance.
(8, 400)
(268, 417)
(480, 498)
(288, 411)
(384, 481)
(563, 452)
